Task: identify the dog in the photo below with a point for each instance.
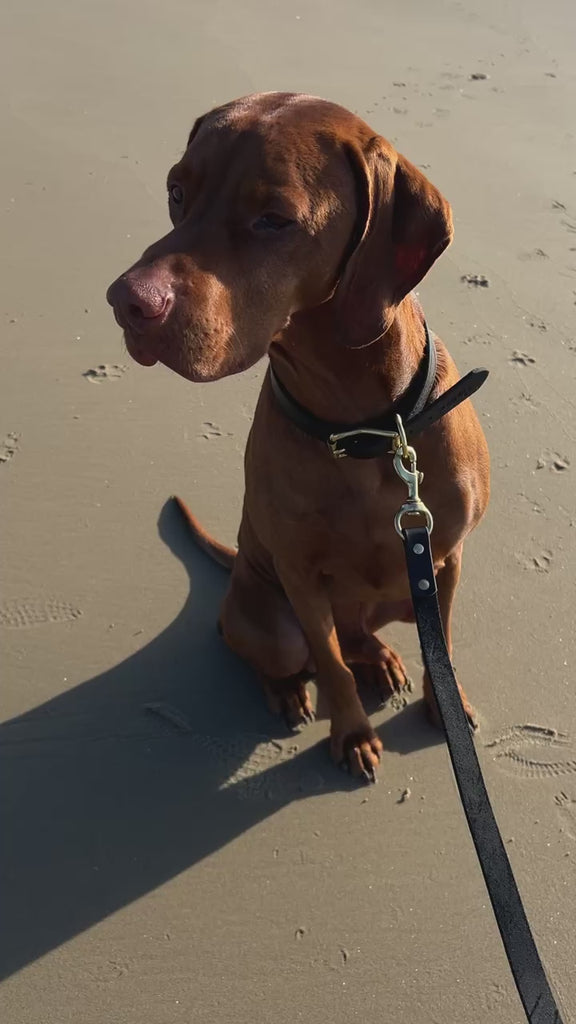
(300, 234)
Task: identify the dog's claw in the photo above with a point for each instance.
(436, 720)
(473, 723)
(308, 717)
(289, 698)
(402, 686)
(376, 665)
(297, 726)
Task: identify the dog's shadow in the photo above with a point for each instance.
(106, 799)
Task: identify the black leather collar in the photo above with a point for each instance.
(363, 440)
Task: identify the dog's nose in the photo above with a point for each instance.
(142, 298)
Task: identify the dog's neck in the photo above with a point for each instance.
(348, 385)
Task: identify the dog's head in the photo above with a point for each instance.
(280, 203)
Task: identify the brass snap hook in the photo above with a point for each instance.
(412, 478)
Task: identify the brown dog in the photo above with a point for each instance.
(300, 233)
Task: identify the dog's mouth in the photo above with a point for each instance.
(150, 351)
(143, 352)
(199, 352)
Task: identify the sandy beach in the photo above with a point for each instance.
(170, 852)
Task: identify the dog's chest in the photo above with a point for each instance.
(317, 515)
(344, 528)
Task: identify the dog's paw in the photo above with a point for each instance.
(356, 748)
(290, 699)
(377, 665)
(434, 715)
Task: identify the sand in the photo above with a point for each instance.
(200, 864)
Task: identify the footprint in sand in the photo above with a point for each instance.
(538, 324)
(542, 562)
(525, 400)
(535, 506)
(212, 430)
(566, 807)
(569, 224)
(29, 613)
(553, 460)
(247, 779)
(245, 759)
(519, 358)
(479, 339)
(107, 970)
(516, 752)
(533, 254)
(106, 371)
(476, 280)
(9, 447)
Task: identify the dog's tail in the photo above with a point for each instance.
(218, 552)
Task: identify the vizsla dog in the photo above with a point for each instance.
(299, 233)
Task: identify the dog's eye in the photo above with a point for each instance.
(176, 193)
(271, 222)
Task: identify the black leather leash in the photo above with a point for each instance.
(525, 964)
(373, 439)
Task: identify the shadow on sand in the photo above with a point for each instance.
(104, 801)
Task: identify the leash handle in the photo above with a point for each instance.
(525, 963)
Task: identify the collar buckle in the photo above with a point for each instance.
(341, 453)
(335, 451)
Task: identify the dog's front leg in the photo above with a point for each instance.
(354, 743)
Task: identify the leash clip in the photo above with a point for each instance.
(412, 477)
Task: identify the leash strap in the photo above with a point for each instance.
(526, 966)
(459, 392)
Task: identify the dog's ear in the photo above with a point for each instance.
(195, 128)
(403, 225)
